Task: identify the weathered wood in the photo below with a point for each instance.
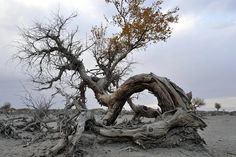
(172, 100)
(151, 133)
(169, 95)
(8, 130)
(177, 127)
(69, 141)
(143, 111)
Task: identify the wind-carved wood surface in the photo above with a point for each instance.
(168, 94)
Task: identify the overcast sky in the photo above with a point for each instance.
(200, 56)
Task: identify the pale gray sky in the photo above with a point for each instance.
(200, 56)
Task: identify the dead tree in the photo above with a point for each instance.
(56, 56)
(176, 117)
(177, 120)
(39, 109)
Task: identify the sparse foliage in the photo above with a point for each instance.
(198, 102)
(54, 52)
(6, 106)
(217, 106)
(40, 105)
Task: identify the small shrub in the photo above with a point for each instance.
(217, 106)
(197, 102)
(6, 107)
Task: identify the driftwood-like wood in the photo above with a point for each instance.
(176, 128)
(8, 130)
(143, 111)
(69, 141)
(151, 133)
(169, 95)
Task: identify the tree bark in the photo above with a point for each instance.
(169, 95)
(143, 111)
(177, 127)
(153, 133)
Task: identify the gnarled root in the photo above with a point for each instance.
(178, 128)
(152, 134)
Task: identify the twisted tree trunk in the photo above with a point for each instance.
(169, 95)
(178, 126)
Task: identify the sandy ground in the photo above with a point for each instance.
(220, 136)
